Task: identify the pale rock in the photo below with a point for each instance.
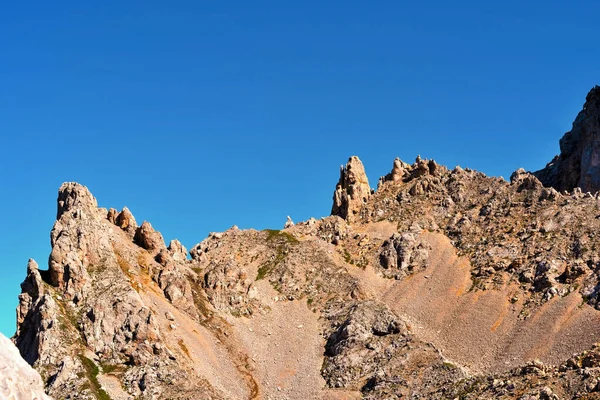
(112, 215)
(18, 381)
(177, 251)
(289, 223)
(126, 221)
(147, 238)
(352, 190)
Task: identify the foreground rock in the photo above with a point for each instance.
(18, 381)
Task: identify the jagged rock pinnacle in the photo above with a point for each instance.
(352, 190)
(73, 196)
(578, 164)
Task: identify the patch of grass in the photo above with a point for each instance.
(347, 257)
(274, 234)
(263, 270)
(92, 371)
(269, 266)
(112, 368)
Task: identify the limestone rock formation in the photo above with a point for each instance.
(288, 223)
(147, 238)
(403, 255)
(18, 381)
(578, 164)
(441, 284)
(125, 220)
(352, 190)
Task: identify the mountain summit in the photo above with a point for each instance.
(440, 284)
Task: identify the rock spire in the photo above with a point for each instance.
(352, 190)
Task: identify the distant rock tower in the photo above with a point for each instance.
(352, 190)
(578, 164)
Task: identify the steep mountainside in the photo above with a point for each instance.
(440, 284)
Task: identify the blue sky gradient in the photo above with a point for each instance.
(201, 115)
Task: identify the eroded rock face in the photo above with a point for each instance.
(147, 238)
(352, 190)
(525, 180)
(126, 221)
(17, 379)
(74, 235)
(403, 255)
(578, 164)
(89, 310)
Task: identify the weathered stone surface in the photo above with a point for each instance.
(578, 164)
(126, 221)
(352, 190)
(147, 238)
(112, 215)
(18, 381)
(525, 180)
(75, 198)
(288, 223)
(398, 172)
(36, 317)
(177, 251)
(403, 255)
(73, 236)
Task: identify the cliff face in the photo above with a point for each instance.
(440, 284)
(578, 164)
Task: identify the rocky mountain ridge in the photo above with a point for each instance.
(439, 284)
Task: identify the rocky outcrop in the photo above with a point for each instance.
(398, 173)
(125, 220)
(89, 309)
(525, 180)
(36, 317)
(17, 379)
(352, 190)
(177, 251)
(578, 164)
(149, 239)
(403, 255)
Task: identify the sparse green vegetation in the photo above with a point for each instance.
(263, 270)
(92, 371)
(274, 234)
(348, 257)
(112, 368)
(280, 254)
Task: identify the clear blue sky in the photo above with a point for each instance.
(199, 115)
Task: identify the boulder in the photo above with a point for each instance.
(147, 238)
